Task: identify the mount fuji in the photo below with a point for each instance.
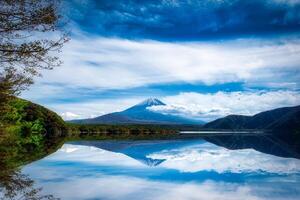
(139, 114)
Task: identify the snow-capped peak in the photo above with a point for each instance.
(144, 105)
(151, 102)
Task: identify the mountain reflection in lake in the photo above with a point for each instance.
(170, 169)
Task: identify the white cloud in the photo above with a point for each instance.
(70, 115)
(90, 173)
(208, 157)
(189, 104)
(92, 155)
(93, 108)
(127, 187)
(106, 63)
(215, 105)
(191, 158)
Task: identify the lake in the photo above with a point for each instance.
(243, 167)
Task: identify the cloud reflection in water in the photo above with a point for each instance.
(189, 171)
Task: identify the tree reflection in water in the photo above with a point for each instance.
(17, 186)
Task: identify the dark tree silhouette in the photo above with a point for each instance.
(15, 185)
(30, 36)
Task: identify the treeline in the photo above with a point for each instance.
(119, 131)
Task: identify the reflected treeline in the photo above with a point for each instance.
(283, 145)
(15, 185)
(274, 144)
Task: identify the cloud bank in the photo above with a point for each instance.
(207, 107)
(208, 157)
(86, 169)
(128, 49)
(103, 63)
(211, 106)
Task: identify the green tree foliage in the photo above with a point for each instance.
(31, 35)
(129, 131)
(31, 131)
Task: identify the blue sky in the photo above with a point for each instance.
(205, 59)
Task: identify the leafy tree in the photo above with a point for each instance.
(30, 35)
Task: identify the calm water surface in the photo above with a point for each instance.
(168, 169)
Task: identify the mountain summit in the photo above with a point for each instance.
(151, 102)
(139, 114)
(145, 104)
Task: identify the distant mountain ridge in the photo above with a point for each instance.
(139, 114)
(287, 118)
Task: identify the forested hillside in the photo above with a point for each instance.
(28, 130)
(280, 119)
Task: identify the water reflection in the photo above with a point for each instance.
(278, 145)
(170, 169)
(16, 185)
